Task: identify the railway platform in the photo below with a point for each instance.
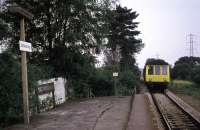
(140, 118)
(146, 111)
(105, 113)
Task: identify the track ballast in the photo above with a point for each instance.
(173, 116)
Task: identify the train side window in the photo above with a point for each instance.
(157, 70)
(164, 70)
(150, 71)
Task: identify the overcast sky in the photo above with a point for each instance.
(164, 25)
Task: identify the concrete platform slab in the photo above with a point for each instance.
(105, 113)
(140, 118)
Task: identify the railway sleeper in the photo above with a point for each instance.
(174, 116)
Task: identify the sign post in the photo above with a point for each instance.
(115, 75)
(23, 14)
(24, 75)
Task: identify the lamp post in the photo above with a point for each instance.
(23, 14)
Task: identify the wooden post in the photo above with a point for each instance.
(54, 100)
(115, 86)
(115, 75)
(38, 100)
(23, 14)
(24, 75)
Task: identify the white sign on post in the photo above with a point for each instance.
(25, 46)
(115, 74)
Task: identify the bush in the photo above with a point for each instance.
(185, 68)
(185, 87)
(196, 75)
(102, 82)
(127, 83)
(11, 110)
(10, 90)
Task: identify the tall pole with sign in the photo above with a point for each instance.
(115, 75)
(24, 75)
(22, 13)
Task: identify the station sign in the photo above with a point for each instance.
(25, 46)
(115, 74)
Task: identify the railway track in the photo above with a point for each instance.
(174, 117)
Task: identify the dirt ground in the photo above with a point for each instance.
(194, 102)
(107, 113)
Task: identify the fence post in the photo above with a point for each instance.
(134, 90)
(37, 102)
(53, 96)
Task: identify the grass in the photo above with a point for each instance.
(182, 82)
(185, 87)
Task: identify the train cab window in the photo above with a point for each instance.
(157, 70)
(150, 71)
(164, 70)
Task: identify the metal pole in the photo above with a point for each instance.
(24, 75)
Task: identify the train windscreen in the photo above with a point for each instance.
(157, 70)
(164, 69)
(150, 71)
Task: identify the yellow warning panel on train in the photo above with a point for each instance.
(157, 73)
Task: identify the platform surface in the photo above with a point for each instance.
(140, 118)
(104, 113)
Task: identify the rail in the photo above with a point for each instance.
(175, 118)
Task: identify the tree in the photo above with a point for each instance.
(73, 25)
(182, 71)
(11, 107)
(62, 33)
(196, 74)
(122, 46)
(184, 67)
(122, 36)
(4, 30)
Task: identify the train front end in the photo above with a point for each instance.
(157, 77)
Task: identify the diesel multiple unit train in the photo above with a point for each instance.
(156, 76)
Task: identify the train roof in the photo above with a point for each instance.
(156, 62)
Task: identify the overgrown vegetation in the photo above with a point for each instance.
(10, 88)
(10, 92)
(103, 82)
(185, 87)
(128, 80)
(187, 68)
(66, 36)
(186, 76)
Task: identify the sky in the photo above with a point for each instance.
(165, 26)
